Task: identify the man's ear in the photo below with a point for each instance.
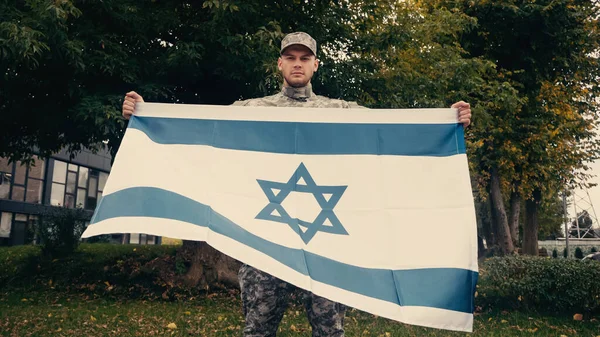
(279, 64)
(316, 64)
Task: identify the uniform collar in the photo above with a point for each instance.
(298, 94)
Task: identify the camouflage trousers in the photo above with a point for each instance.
(265, 299)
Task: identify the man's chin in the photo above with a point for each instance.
(296, 83)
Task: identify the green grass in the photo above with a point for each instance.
(51, 313)
(109, 290)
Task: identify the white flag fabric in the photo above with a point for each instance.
(369, 208)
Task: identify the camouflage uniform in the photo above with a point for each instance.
(298, 97)
(264, 296)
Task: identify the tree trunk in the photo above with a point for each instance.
(499, 212)
(208, 266)
(530, 230)
(515, 212)
(484, 215)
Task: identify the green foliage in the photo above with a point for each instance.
(551, 217)
(105, 269)
(59, 230)
(534, 283)
(180, 266)
(578, 253)
(66, 67)
(565, 253)
(554, 253)
(593, 250)
(538, 132)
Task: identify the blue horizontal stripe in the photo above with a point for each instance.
(444, 288)
(307, 138)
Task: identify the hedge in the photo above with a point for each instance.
(542, 284)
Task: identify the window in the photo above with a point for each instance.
(5, 225)
(35, 182)
(59, 179)
(134, 238)
(76, 186)
(142, 239)
(22, 183)
(6, 170)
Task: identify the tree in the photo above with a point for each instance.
(59, 231)
(545, 50)
(66, 65)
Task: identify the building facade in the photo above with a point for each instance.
(26, 192)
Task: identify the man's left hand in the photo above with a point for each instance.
(464, 112)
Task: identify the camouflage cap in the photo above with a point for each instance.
(299, 38)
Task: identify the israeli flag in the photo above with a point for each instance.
(370, 208)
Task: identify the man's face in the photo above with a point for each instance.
(297, 65)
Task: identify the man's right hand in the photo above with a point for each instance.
(131, 98)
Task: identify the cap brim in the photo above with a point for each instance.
(297, 44)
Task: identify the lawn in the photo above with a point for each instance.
(111, 290)
(51, 313)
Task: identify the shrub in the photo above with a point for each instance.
(593, 250)
(534, 283)
(130, 271)
(60, 229)
(554, 253)
(578, 253)
(565, 254)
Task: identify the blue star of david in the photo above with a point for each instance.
(306, 230)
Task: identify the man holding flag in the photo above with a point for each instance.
(264, 296)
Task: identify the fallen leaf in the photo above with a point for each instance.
(387, 334)
(520, 298)
(107, 284)
(134, 249)
(293, 328)
(532, 330)
(59, 330)
(93, 318)
(578, 317)
(49, 315)
(187, 313)
(24, 300)
(504, 321)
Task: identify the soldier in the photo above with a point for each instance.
(265, 297)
